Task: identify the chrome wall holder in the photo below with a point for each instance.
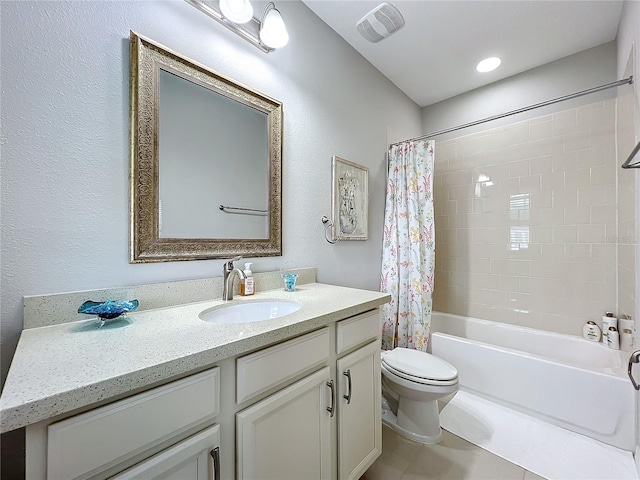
(329, 224)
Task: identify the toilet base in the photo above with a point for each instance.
(391, 420)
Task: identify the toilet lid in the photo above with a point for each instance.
(419, 364)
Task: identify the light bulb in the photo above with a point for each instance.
(488, 64)
(273, 32)
(238, 11)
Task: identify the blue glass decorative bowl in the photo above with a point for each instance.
(108, 310)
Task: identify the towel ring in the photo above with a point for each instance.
(328, 224)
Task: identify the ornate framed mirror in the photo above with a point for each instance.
(206, 159)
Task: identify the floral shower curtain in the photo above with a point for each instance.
(408, 252)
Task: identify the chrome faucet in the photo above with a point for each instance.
(227, 283)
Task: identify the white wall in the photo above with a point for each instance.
(628, 36)
(583, 70)
(65, 137)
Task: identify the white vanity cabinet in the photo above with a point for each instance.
(106, 440)
(331, 413)
(288, 434)
(307, 407)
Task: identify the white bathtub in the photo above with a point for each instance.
(562, 379)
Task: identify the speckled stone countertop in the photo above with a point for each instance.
(61, 368)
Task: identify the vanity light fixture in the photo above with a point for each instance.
(267, 34)
(273, 32)
(488, 64)
(238, 11)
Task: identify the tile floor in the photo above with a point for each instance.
(452, 459)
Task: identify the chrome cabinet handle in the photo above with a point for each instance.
(347, 397)
(332, 409)
(215, 454)
(634, 358)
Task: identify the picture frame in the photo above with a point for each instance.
(349, 200)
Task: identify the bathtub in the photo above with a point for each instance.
(562, 379)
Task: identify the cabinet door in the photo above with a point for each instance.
(196, 458)
(287, 435)
(359, 416)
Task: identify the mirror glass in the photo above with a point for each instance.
(195, 126)
(206, 162)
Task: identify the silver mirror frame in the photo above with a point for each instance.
(146, 58)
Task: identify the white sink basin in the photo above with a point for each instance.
(249, 312)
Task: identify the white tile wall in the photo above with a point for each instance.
(546, 240)
(626, 200)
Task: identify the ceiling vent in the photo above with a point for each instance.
(380, 22)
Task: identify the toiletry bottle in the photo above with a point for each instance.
(613, 338)
(591, 331)
(247, 285)
(608, 321)
(626, 340)
(625, 322)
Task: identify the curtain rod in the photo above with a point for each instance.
(625, 81)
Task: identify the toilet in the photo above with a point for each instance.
(412, 383)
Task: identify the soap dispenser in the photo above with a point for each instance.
(247, 286)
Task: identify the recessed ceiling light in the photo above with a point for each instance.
(488, 64)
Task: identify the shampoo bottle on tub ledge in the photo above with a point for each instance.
(626, 340)
(608, 321)
(591, 331)
(613, 337)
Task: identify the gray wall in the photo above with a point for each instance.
(574, 73)
(65, 142)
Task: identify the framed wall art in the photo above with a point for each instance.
(350, 200)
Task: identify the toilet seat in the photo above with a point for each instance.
(419, 367)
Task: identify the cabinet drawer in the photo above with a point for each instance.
(88, 443)
(268, 368)
(186, 460)
(357, 330)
